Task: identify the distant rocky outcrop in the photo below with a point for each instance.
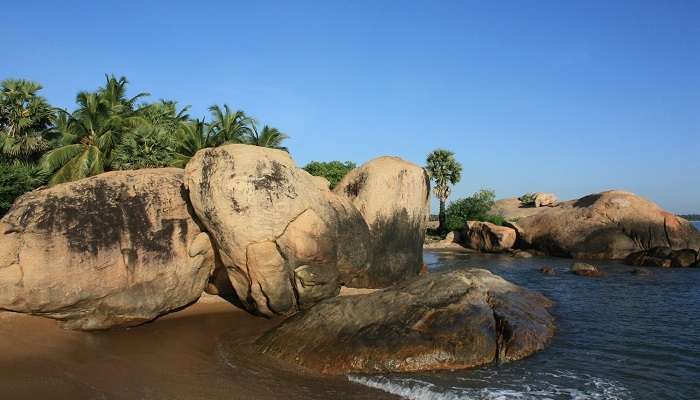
(117, 249)
(392, 196)
(450, 320)
(282, 236)
(607, 225)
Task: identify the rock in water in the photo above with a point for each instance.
(392, 195)
(450, 320)
(116, 249)
(281, 236)
(583, 269)
(487, 237)
(608, 225)
(663, 256)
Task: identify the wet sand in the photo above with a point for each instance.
(195, 353)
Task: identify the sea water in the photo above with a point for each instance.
(622, 336)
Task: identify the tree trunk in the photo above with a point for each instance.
(442, 216)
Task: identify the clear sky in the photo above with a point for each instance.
(571, 97)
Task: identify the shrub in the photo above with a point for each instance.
(528, 199)
(17, 179)
(334, 171)
(473, 208)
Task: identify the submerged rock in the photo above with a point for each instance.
(487, 237)
(282, 237)
(392, 196)
(117, 249)
(583, 269)
(608, 225)
(449, 320)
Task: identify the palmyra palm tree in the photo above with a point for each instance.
(25, 121)
(444, 170)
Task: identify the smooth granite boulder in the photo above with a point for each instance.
(450, 320)
(280, 235)
(117, 249)
(392, 196)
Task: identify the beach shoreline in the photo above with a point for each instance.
(187, 354)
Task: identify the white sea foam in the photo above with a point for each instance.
(573, 387)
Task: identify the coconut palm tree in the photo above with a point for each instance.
(25, 121)
(229, 126)
(444, 170)
(192, 136)
(91, 133)
(267, 137)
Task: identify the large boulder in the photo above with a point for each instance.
(487, 237)
(281, 236)
(117, 249)
(392, 196)
(608, 225)
(450, 320)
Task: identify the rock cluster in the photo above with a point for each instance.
(607, 225)
(122, 248)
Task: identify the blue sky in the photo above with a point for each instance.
(571, 97)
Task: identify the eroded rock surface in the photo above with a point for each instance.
(117, 249)
(392, 196)
(449, 320)
(608, 225)
(283, 238)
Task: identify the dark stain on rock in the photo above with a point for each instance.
(397, 249)
(354, 188)
(426, 177)
(100, 215)
(273, 180)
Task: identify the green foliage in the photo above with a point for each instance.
(528, 199)
(147, 146)
(472, 208)
(25, 121)
(267, 137)
(192, 137)
(92, 132)
(108, 130)
(334, 171)
(164, 115)
(16, 179)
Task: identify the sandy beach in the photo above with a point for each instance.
(179, 356)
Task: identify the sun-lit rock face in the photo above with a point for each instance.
(392, 196)
(117, 249)
(281, 236)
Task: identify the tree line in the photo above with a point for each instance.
(44, 145)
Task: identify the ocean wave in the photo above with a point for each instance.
(573, 387)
